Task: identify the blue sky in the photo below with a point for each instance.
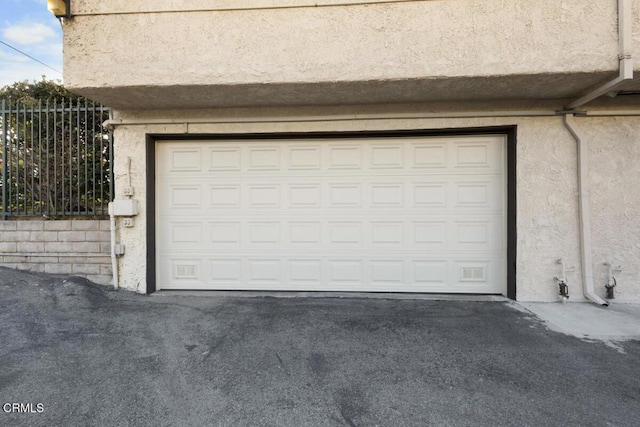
(28, 26)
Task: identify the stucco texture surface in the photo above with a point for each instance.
(547, 194)
(615, 201)
(547, 208)
(422, 50)
(386, 41)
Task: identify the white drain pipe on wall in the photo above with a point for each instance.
(585, 213)
(112, 229)
(625, 72)
(114, 258)
(625, 60)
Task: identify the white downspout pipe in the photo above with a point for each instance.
(114, 259)
(584, 211)
(112, 228)
(625, 60)
(625, 72)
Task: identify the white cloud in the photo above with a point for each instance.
(28, 26)
(8, 58)
(29, 33)
(16, 67)
(25, 71)
(46, 51)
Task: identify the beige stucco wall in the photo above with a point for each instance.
(615, 200)
(388, 41)
(179, 59)
(547, 209)
(129, 55)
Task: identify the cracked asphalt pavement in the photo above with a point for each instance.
(73, 353)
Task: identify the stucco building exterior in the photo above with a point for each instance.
(459, 146)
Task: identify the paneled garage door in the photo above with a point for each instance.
(415, 214)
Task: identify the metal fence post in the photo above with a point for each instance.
(3, 127)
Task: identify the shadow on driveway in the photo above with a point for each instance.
(92, 356)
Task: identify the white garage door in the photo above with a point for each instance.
(411, 214)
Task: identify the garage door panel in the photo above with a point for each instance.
(346, 273)
(305, 271)
(187, 234)
(224, 158)
(225, 271)
(438, 233)
(344, 195)
(429, 234)
(305, 233)
(366, 157)
(344, 156)
(481, 194)
(225, 233)
(301, 157)
(183, 270)
(387, 194)
(430, 272)
(396, 215)
(333, 273)
(386, 234)
(223, 196)
(391, 272)
(304, 196)
(179, 160)
(263, 157)
(476, 154)
(431, 155)
(185, 196)
(460, 196)
(386, 156)
(429, 195)
(264, 271)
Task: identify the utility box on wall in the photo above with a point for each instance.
(123, 207)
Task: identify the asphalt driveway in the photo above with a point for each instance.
(77, 354)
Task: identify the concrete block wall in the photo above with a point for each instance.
(73, 247)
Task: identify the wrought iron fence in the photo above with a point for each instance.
(56, 159)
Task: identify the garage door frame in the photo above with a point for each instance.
(508, 131)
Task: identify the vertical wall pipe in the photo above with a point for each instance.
(114, 258)
(584, 211)
(625, 60)
(625, 72)
(112, 216)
